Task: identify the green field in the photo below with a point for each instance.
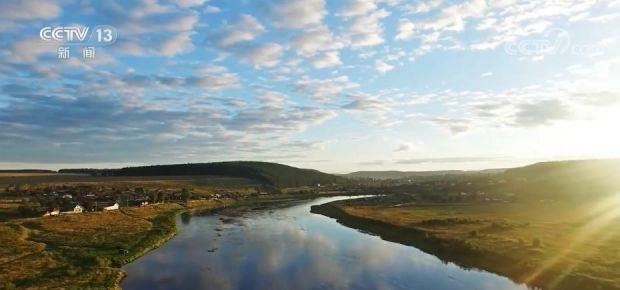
(550, 244)
(79, 250)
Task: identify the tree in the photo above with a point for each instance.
(154, 196)
(27, 210)
(186, 194)
(163, 196)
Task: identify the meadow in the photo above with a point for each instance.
(549, 244)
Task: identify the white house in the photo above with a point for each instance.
(78, 209)
(112, 207)
(54, 212)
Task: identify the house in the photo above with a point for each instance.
(144, 203)
(67, 196)
(54, 212)
(112, 207)
(78, 209)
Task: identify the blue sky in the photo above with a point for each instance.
(334, 85)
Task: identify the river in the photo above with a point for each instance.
(291, 248)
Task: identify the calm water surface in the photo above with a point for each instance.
(291, 248)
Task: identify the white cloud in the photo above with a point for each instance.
(190, 3)
(422, 6)
(357, 8)
(324, 89)
(29, 49)
(245, 29)
(314, 40)
(328, 59)
(366, 103)
(298, 13)
(211, 9)
(29, 9)
(272, 99)
(486, 74)
(454, 17)
(405, 29)
(367, 30)
(179, 43)
(266, 55)
(405, 146)
(383, 67)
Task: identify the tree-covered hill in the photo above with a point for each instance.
(269, 173)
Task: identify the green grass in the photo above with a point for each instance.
(550, 244)
(80, 250)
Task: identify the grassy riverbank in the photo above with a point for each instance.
(548, 245)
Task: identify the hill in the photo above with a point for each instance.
(266, 172)
(27, 171)
(576, 179)
(393, 174)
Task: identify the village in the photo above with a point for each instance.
(55, 200)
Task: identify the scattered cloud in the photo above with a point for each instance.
(246, 28)
(314, 40)
(541, 113)
(403, 147)
(383, 67)
(405, 29)
(298, 13)
(328, 59)
(324, 89)
(266, 55)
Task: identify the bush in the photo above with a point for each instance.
(102, 262)
(72, 271)
(536, 242)
(27, 211)
(7, 285)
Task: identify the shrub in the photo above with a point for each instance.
(536, 242)
(102, 262)
(7, 285)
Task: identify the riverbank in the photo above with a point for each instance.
(88, 250)
(495, 245)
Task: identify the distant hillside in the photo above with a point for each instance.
(27, 171)
(578, 178)
(414, 174)
(269, 173)
(89, 171)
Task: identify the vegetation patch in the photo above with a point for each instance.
(543, 245)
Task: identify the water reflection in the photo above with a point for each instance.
(290, 248)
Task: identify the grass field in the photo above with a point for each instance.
(549, 244)
(80, 250)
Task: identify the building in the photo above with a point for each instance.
(112, 207)
(78, 209)
(54, 212)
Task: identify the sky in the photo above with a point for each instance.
(338, 86)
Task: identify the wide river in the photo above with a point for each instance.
(291, 248)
